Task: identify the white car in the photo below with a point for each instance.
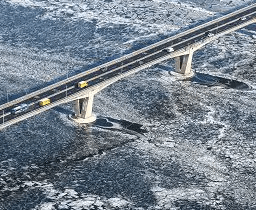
(169, 49)
(20, 108)
(211, 34)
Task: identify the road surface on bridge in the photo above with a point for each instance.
(138, 59)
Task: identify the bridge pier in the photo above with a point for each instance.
(183, 64)
(83, 110)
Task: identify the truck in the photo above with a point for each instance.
(44, 101)
(82, 84)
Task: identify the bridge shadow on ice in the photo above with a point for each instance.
(111, 123)
(210, 80)
(108, 122)
(120, 173)
(215, 81)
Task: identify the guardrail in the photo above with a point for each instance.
(33, 94)
(85, 92)
(108, 82)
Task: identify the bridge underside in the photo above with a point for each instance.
(83, 100)
(83, 110)
(83, 105)
(183, 64)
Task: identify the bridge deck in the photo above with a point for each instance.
(110, 72)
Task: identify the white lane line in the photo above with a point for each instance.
(191, 38)
(31, 95)
(123, 66)
(36, 102)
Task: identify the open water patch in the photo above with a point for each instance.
(111, 123)
(212, 81)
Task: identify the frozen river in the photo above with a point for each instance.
(159, 142)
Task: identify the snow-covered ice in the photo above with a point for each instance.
(199, 148)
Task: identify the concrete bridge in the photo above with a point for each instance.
(181, 47)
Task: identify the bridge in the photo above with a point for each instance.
(180, 47)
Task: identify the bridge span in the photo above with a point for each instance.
(180, 46)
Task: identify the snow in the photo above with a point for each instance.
(136, 13)
(199, 149)
(69, 199)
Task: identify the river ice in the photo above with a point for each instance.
(196, 147)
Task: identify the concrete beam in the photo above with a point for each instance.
(199, 45)
(183, 63)
(98, 87)
(83, 110)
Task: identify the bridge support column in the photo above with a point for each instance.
(183, 64)
(83, 110)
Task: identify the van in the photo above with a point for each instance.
(82, 84)
(44, 101)
(169, 49)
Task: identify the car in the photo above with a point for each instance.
(36, 97)
(82, 84)
(141, 62)
(44, 101)
(55, 90)
(19, 109)
(169, 49)
(243, 18)
(211, 34)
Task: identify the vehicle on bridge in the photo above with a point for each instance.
(169, 49)
(82, 84)
(44, 101)
(186, 42)
(209, 34)
(20, 108)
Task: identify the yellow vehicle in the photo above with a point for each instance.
(44, 101)
(82, 84)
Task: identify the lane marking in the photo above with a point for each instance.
(31, 95)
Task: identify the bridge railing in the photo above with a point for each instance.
(33, 94)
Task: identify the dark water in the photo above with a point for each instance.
(109, 122)
(42, 157)
(210, 81)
